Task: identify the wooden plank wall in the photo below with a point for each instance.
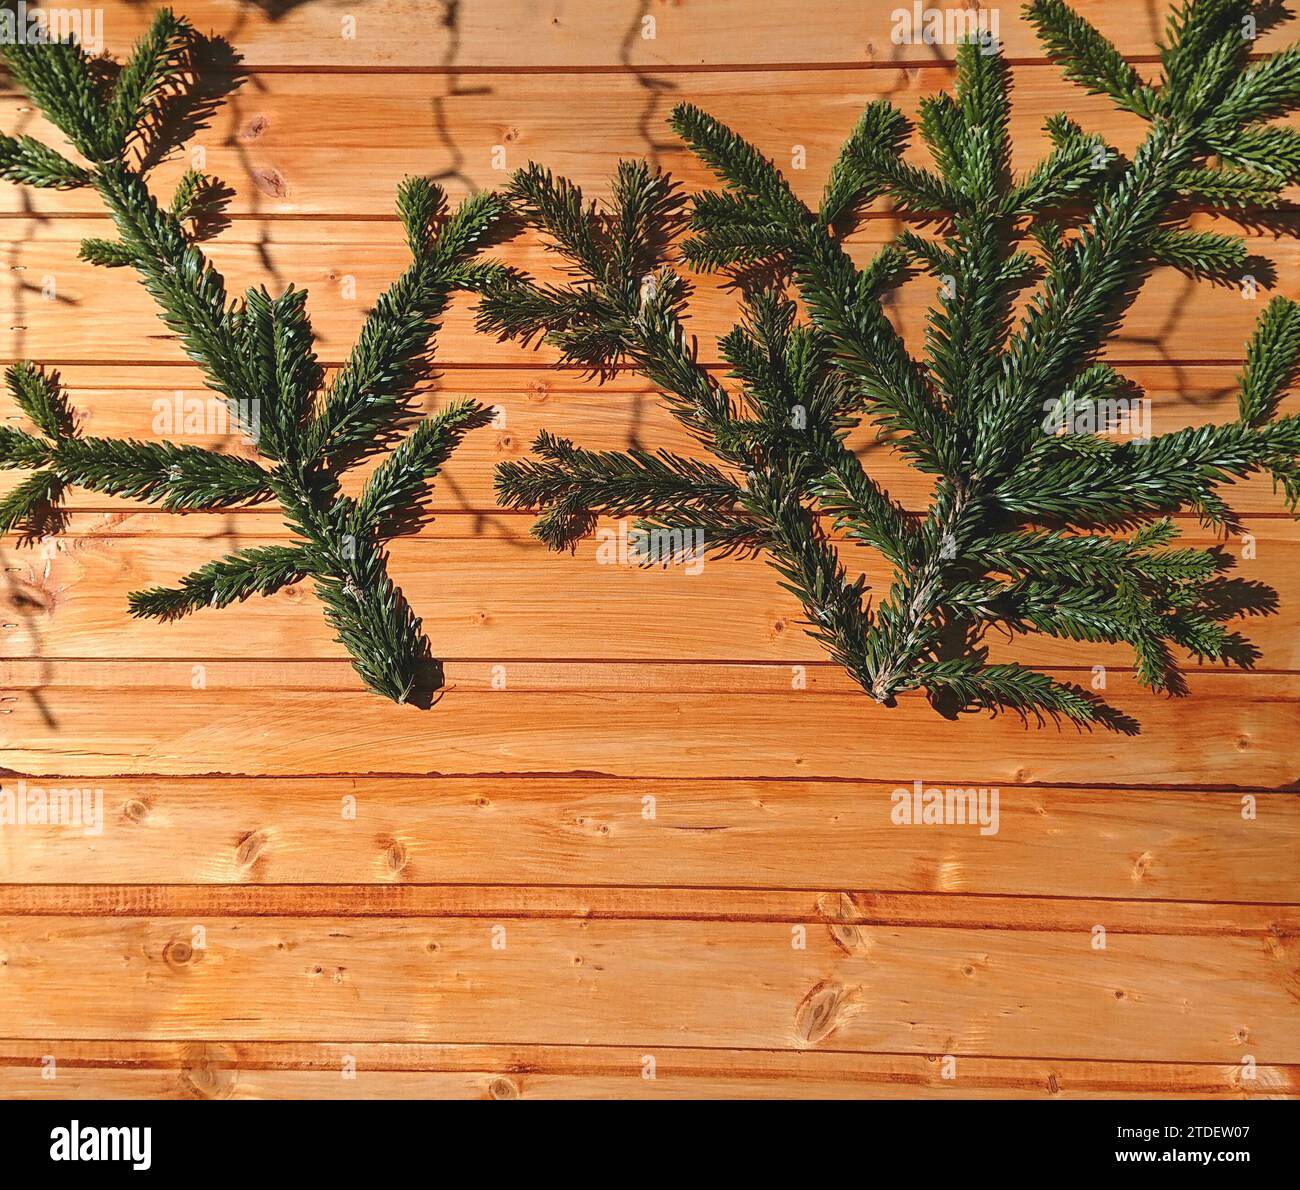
(645, 831)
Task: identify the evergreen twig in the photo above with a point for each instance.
(257, 352)
(1014, 533)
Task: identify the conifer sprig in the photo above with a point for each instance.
(257, 352)
(1007, 412)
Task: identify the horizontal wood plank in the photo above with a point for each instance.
(615, 719)
(485, 588)
(440, 36)
(152, 402)
(1067, 842)
(1012, 994)
(277, 139)
(269, 1070)
(59, 310)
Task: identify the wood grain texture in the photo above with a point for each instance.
(436, 35)
(207, 1070)
(1135, 844)
(277, 140)
(619, 719)
(742, 984)
(673, 813)
(846, 914)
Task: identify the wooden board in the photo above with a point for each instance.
(277, 140)
(157, 401)
(642, 844)
(753, 985)
(489, 589)
(316, 1070)
(1211, 846)
(612, 718)
(58, 310)
(610, 35)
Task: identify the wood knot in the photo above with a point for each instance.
(270, 182)
(250, 848)
(837, 906)
(395, 856)
(818, 1013)
(503, 1088)
(208, 1071)
(843, 915)
(849, 938)
(135, 810)
(178, 953)
(254, 128)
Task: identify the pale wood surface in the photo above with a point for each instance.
(674, 808)
(620, 719)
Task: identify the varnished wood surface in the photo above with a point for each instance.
(641, 845)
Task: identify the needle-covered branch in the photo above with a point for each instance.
(1008, 408)
(258, 353)
(621, 309)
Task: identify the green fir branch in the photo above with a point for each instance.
(262, 570)
(1009, 410)
(258, 353)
